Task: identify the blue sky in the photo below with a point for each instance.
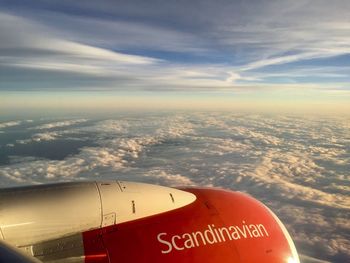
(267, 52)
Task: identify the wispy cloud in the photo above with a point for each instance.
(175, 47)
(34, 47)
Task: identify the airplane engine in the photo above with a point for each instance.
(133, 222)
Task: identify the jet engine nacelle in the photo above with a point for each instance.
(134, 222)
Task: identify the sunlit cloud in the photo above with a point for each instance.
(296, 165)
(9, 124)
(58, 124)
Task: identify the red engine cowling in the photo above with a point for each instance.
(218, 226)
(117, 221)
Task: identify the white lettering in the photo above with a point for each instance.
(165, 243)
(198, 233)
(224, 229)
(174, 243)
(243, 233)
(211, 235)
(189, 241)
(235, 234)
(246, 227)
(207, 237)
(255, 231)
(260, 226)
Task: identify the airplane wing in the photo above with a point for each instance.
(117, 221)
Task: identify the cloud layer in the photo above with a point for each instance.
(297, 166)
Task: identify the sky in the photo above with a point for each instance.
(242, 55)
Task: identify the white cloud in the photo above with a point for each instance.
(165, 178)
(39, 137)
(281, 172)
(108, 126)
(283, 60)
(9, 124)
(49, 136)
(59, 124)
(307, 259)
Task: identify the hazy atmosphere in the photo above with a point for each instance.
(251, 96)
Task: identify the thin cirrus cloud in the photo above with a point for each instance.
(32, 39)
(34, 49)
(29, 45)
(128, 46)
